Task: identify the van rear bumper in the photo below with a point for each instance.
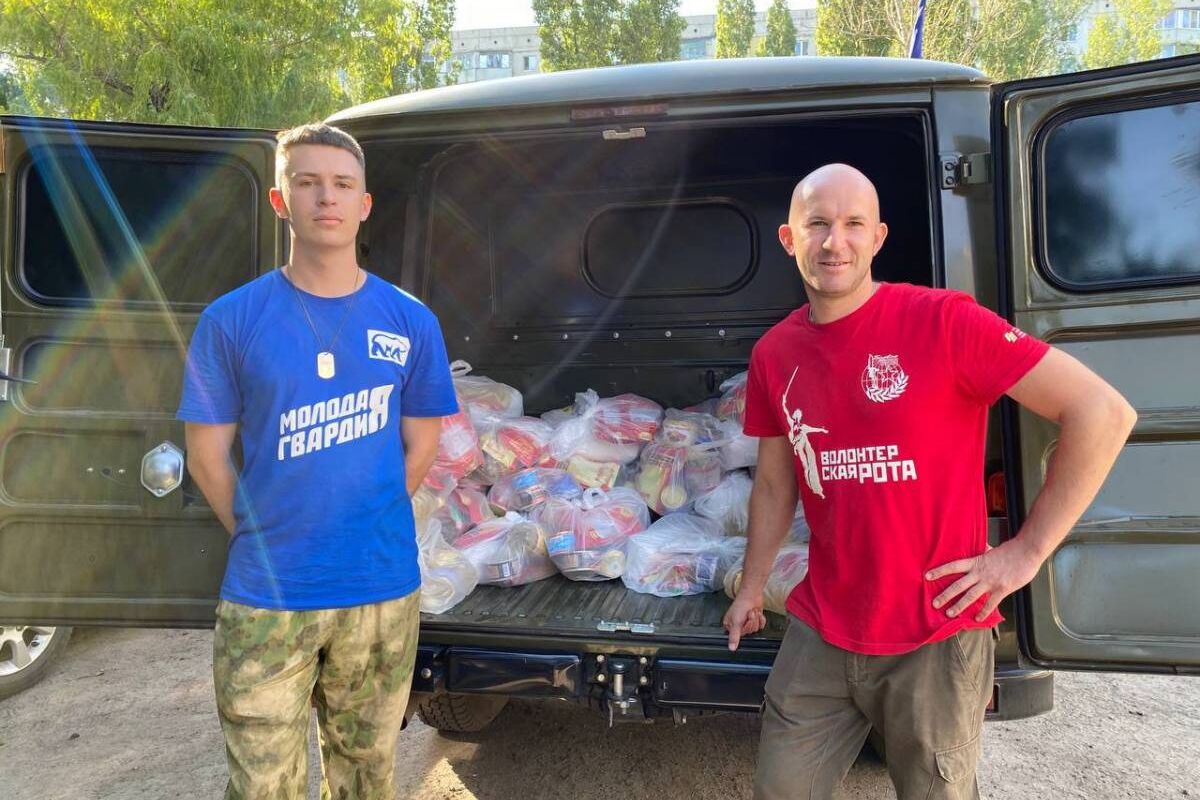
(670, 683)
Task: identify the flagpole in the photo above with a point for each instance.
(918, 33)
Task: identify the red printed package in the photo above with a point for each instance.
(732, 404)
(626, 419)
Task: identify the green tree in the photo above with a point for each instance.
(1005, 38)
(269, 63)
(649, 31)
(781, 31)
(735, 28)
(597, 33)
(1125, 34)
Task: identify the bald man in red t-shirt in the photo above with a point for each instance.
(871, 406)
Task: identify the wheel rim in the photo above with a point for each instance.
(22, 645)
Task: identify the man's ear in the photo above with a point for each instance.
(880, 234)
(367, 202)
(785, 239)
(275, 197)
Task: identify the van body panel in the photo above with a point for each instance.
(1101, 201)
(115, 238)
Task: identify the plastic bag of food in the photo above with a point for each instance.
(791, 565)
(737, 449)
(447, 576)
(511, 445)
(732, 404)
(626, 419)
(507, 551)
(729, 504)
(672, 475)
(483, 397)
(463, 509)
(608, 430)
(432, 493)
(458, 446)
(532, 487)
(587, 541)
(680, 554)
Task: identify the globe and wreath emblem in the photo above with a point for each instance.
(884, 379)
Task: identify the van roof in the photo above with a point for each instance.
(671, 79)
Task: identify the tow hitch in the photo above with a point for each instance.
(622, 677)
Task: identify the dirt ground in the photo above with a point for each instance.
(128, 714)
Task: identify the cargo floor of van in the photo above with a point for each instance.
(560, 607)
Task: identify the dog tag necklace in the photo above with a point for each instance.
(326, 366)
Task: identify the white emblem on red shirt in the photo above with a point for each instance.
(884, 379)
(798, 435)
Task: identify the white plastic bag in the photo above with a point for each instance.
(511, 445)
(586, 540)
(609, 430)
(483, 397)
(732, 404)
(447, 576)
(737, 450)
(508, 551)
(791, 565)
(729, 504)
(463, 509)
(532, 487)
(678, 555)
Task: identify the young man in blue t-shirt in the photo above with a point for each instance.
(337, 382)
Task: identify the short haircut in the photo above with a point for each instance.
(314, 133)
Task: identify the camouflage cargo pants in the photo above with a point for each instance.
(355, 663)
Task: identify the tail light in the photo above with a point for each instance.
(997, 502)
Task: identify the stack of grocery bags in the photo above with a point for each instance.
(608, 488)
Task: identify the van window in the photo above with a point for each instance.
(132, 228)
(1121, 199)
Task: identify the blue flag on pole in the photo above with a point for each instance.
(918, 33)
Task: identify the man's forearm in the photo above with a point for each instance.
(217, 483)
(772, 509)
(1088, 444)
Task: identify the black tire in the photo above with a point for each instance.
(460, 713)
(27, 676)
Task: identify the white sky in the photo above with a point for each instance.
(512, 13)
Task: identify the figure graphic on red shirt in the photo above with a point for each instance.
(891, 628)
(798, 435)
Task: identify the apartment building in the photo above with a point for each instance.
(1180, 29)
(486, 53)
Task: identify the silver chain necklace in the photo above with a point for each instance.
(326, 367)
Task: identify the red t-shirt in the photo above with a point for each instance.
(886, 410)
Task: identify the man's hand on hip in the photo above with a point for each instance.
(997, 573)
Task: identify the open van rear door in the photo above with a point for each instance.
(1099, 189)
(115, 237)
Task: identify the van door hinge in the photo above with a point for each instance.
(960, 170)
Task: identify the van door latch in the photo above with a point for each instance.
(614, 135)
(612, 626)
(960, 170)
(5, 365)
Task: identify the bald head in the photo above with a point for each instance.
(841, 180)
(834, 231)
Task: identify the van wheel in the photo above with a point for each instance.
(26, 652)
(460, 713)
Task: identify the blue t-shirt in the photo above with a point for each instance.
(323, 516)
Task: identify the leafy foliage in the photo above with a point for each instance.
(598, 33)
(1125, 34)
(781, 31)
(735, 28)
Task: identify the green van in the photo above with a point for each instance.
(615, 229)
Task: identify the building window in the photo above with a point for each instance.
(802, 47)
(1072, 34)
(1167, 52)
(530, 63)
(693, 48)
(1188, 19)
(1118, 201)
(495, 61)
